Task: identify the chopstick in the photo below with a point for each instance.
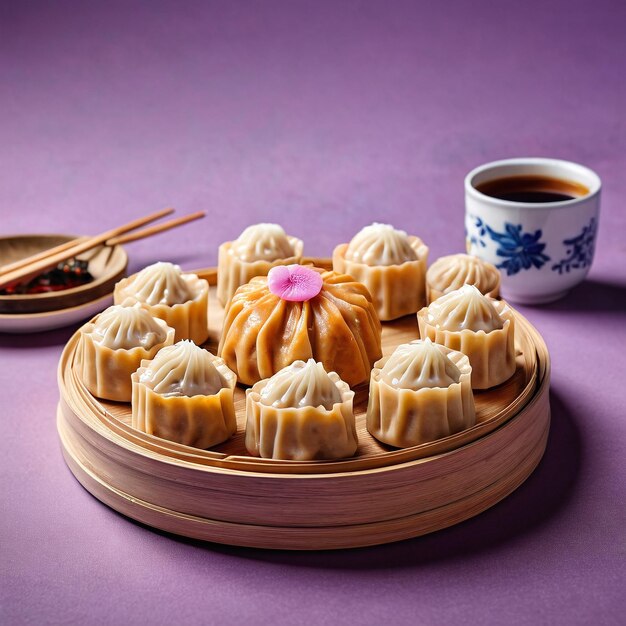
(154, 230)
(68, 245)
(34, 265)
(9, 267)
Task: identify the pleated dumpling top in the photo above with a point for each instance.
(263, 242)
(161, 283)
(455, 270)
(465, 308)
(380, 244)
(420, 365)
(479, 326)
(184, 369)
(301, 384)
(127, 327)
(258, 249)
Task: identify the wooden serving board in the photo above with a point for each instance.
(382, 494)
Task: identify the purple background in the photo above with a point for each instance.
(322, 116)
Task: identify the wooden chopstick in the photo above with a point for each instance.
(157, 228)
(68, 245)
(33, 266)
(9, 267)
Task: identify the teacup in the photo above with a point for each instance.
(541, 241)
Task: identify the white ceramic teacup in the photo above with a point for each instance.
(541, 249)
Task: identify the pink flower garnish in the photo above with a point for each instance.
(294, 283)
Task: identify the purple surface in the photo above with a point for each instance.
(324, 117)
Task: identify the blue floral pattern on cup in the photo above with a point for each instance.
(579, 249)
(476, 239)
(520, 250)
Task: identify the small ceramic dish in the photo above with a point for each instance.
(38, 322)
(106, 264)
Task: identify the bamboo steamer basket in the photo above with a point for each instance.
(380, 495)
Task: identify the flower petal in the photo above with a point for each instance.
(294, 283)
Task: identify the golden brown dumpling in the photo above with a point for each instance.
(449, 273)
(420, 393)
(479, 326)
(181, 300)
(301, 413)
(259, 248)
(185, 394)
(391, 264)
(338, 327)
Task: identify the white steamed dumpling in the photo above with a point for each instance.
(380, 244)
(184, 369)
(452, 272)
(161, 283)
(420, 365)
(263, 242)
(465, 308)
(126, 327)
(300, 385)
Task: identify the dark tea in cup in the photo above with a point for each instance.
(532, 189)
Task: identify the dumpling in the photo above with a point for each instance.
(263, 242)
(112, 347)
(449, 273)
(380, 244)
(259, 248)
(301, 384)
(185, 394)
(479, 326)
(391, 264)
(273, 321)
(181, 300)
(301, 413)
(422, 392)
(420, 365)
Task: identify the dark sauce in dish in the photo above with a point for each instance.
(66, 275)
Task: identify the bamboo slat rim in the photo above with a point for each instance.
(267, 537)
